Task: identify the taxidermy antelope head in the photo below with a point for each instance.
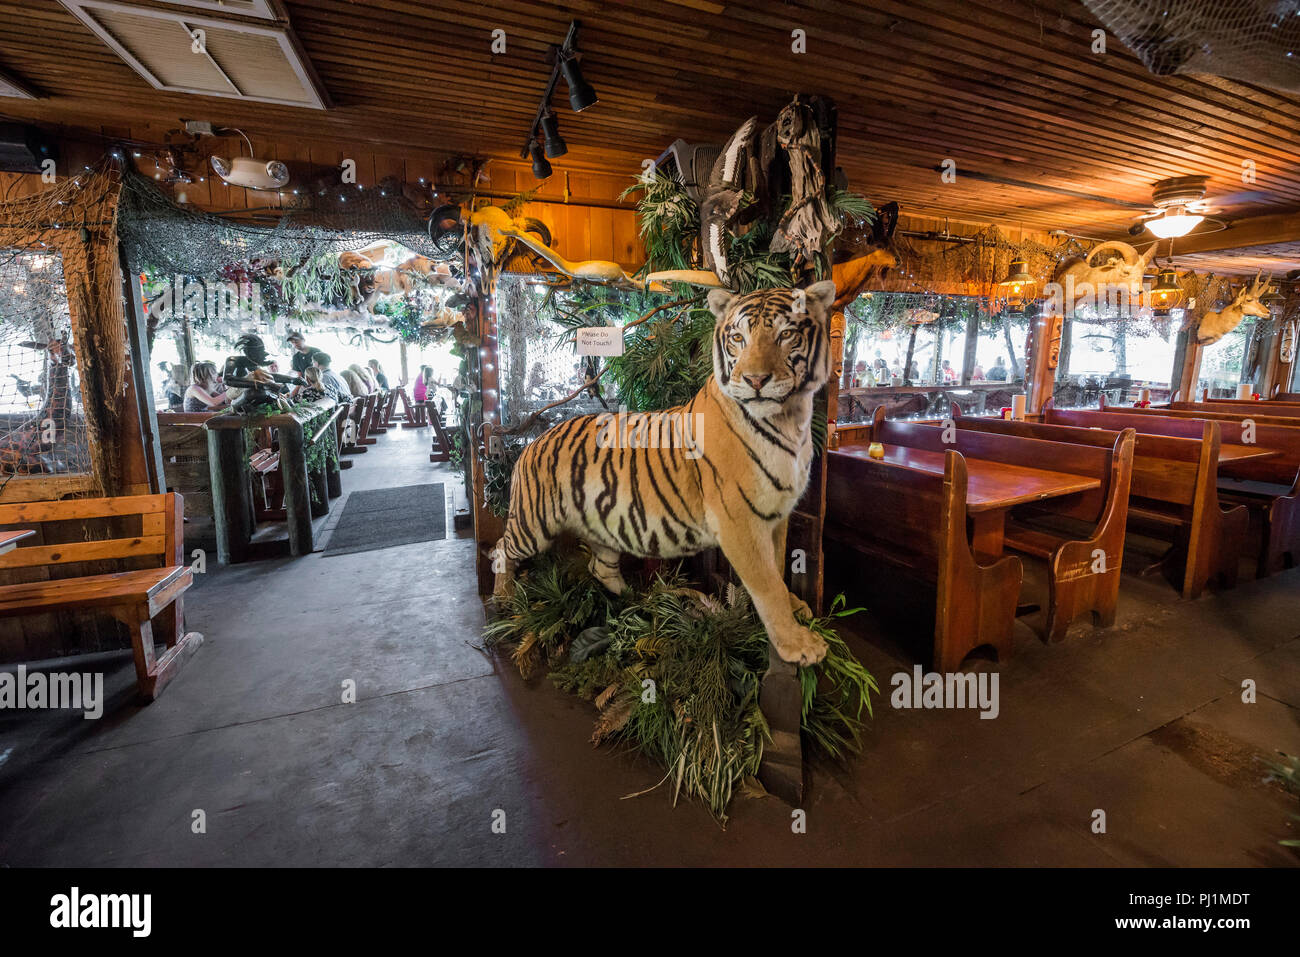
(1097, 278)
(864, 256)
(1215, 325)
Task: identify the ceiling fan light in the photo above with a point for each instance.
(1174, 223)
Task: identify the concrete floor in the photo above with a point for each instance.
(1144, 721)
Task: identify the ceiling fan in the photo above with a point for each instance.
(1178, 205)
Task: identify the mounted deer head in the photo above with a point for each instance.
(1111, 273)
(862, 255)
(1215, 325)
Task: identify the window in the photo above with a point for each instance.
(1116, 357)
(42, 422)
(917, 354)
(1233, 360)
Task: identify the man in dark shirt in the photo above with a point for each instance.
(302, 352)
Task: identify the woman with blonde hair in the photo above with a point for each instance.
(352, 377)
(314, 389)
(206, 393)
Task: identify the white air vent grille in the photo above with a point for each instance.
(242, 8)
(9, 87)
(238, 60)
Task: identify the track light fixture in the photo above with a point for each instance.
(555, 145)
(581, 95)
(541, 168)
(563, 60)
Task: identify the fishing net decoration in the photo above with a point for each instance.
(43, 428)
(538, 362)
(180, 239)
(1256, 41)
(73, 223)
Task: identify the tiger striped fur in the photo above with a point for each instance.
(725, 469)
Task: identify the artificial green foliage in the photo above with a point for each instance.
(704, 657)
(665, 361)
(406, 318)
(670, 222)
(497, 473)
(1288, 772)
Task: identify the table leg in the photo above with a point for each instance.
(988, 531)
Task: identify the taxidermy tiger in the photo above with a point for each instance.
(724, 469)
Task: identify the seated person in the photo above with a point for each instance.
(206, 393)
(377, 371)
(334, 387)
(314, 389)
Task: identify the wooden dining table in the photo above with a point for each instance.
(1229, 454)
(992, 489)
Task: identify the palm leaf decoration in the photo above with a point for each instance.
(679, 678)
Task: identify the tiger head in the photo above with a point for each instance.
(771, 344)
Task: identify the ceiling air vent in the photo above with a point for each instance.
(241, 60)
(11, 87)
(243, 8)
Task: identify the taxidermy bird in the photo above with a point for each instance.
(1215, 325)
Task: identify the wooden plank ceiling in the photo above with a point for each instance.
(1007, 89)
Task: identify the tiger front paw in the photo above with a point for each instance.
(800, 647)
(799, 607)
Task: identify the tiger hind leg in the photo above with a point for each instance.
(503, 568)
(604, 566)
(513, 547)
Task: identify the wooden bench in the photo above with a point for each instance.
(150, 538)
(379, 413)
(1076, 583)
(1268, 487)
(1282, 410)
(917, 525)
(1094, 520)
(1175, 490)
(265, 467)
(441, 450)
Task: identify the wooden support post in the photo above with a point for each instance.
(137, 335)
(1040, 365)
(781, 700)
(297, 491)
(972, 347)
(232, 507)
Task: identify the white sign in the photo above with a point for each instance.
(600, 341)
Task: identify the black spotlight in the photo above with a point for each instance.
(555, 145)
(581, 95)
(541, 168)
